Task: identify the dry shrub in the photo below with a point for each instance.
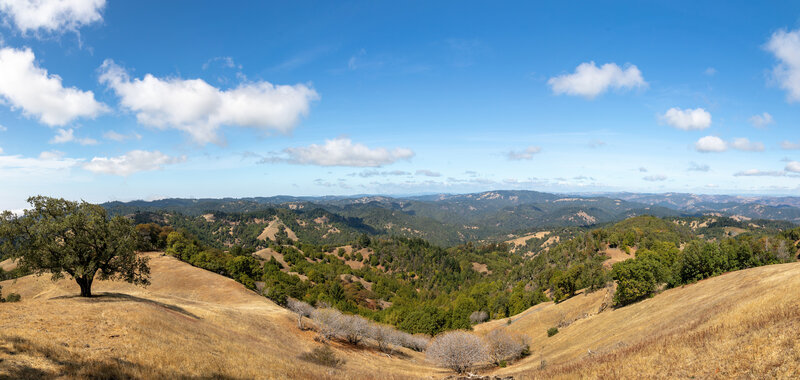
(457, 350)
(328, 321)
(323, 355)
(416, 342)
(300, 308)
(353, 328)
(504, 346)
(478, 317)
(385, 336)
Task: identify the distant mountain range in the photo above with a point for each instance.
(449, 219)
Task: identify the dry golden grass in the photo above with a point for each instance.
(743, 324)
(189, 323)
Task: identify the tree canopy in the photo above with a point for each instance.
(61, 237)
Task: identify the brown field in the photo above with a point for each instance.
(616, 255)
(191, 323)
(272, 228)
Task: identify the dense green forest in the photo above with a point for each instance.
(424, 288)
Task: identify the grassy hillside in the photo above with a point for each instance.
(190, 323)
(743, 324)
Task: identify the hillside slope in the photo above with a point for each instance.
(743, 324)
(190, 323)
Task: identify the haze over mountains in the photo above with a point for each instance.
(449, 219)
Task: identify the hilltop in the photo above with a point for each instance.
(190, 323)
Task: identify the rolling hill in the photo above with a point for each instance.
(191, 323)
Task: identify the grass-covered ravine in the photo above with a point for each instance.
(423, 288)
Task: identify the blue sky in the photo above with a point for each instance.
(120, 100)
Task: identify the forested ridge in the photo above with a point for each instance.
(424, 288)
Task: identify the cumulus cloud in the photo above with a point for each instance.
(525, 154)
(688, 119)
(199, 109)
(132, 162)
(744, 144)
(588, 80)
(341, 151)
(695, 167)
(759, 173)
(710, 144)
(716, 144)
(68, 135)
(761, 121)
(785, 46)
(655, 178)
(25, 86)
(793, 166)
(119, 137)
(52, 15)
(428, 173)
(710, 71)
(788, 145)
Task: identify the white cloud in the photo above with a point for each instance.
(51, 155)
(1, 150)
(428, 173)
(52, 15)
(46, 165)
(119, 137)
(342, 152)
(785, 46)
(716, 144)
(68, 135)
(688, 119)
(655, 178)
(199, 109)
(375, 173)
(788, 145)
(39, 94)
(759, 173)
(744, 144)
(526, 154)
(761, 121)
(132, 162)
(793, 166)
(588, 80)
(710, 144)
(710, 71)
(3, 128)
(695, 167)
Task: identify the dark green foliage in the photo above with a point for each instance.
(323, 355)
(552, 331)
(60, 237)
(11, 297)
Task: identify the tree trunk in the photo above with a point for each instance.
(86, 285)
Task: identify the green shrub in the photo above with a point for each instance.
(13, 297)
(323, 355)
(552, 331)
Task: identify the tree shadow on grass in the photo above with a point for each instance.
(120, 297)
(73, 366)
